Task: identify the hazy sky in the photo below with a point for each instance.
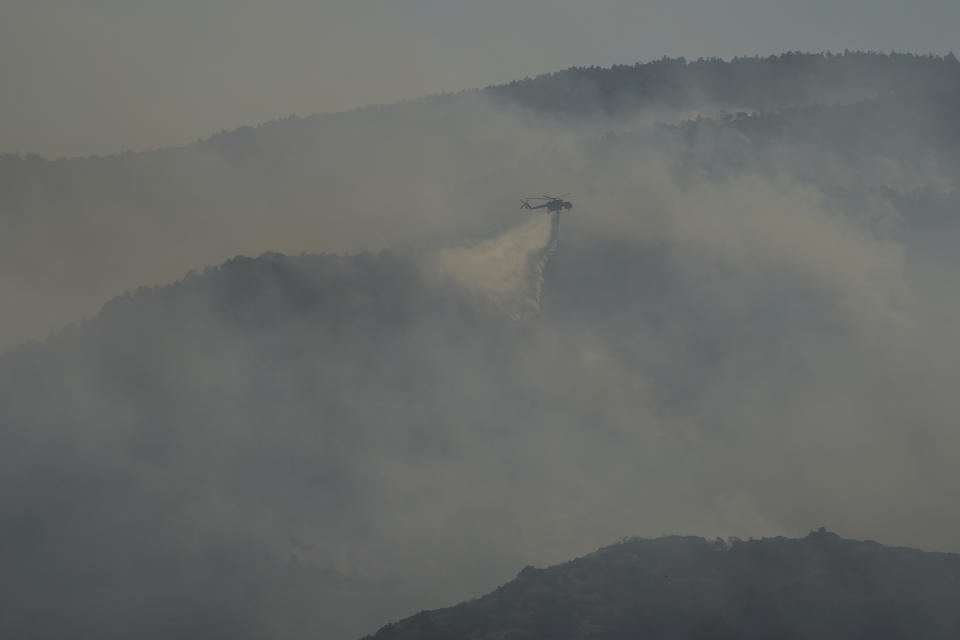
(100, 76)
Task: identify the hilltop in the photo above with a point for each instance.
(821, 586)
(445, 169)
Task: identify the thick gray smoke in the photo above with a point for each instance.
(750, 329)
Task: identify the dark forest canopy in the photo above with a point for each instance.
(761, 83)
(818, 587)
(757, 82)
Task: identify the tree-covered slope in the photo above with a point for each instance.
(431, 171)
(821, 586)
(761, 83)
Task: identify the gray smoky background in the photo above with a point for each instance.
(746, 326)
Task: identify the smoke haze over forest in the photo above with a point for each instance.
(395, 388)
(104, 75)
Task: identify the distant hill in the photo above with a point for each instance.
(761, 83)
(434, 171)
(818, 587)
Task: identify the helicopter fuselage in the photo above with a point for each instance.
(554, 205)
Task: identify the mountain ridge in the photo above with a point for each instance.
(820, 586)
(621, 86)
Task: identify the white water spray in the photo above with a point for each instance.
(508, 269)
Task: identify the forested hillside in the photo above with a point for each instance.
(821, 586)
(436, 171)
(753, 83)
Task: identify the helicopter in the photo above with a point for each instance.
(552, 204)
